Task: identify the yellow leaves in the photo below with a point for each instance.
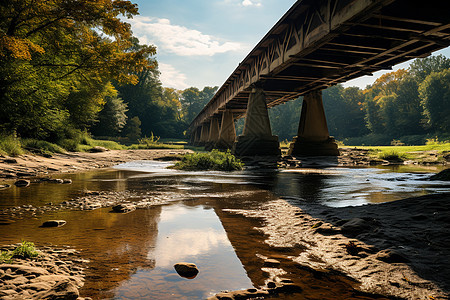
(18, 48)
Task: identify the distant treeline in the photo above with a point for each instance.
(405, 106)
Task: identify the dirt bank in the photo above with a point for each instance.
(33, 165)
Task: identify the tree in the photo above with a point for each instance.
(422, 67)
(112, 118)
(435, 94)
(193, 100)
(55, 53)
(285, 118)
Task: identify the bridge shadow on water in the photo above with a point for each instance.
(415, 229)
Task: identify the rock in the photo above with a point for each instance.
(271, 263)
(56, 180)
(444, 175)
(391, 256)
(10, 160)
(67, 181)
(54, 223)
(4, 186)
(98, 149)
(22, 269)
(22, 183)
(356, 226)
(186, 270)
(123, 208)
(61, 290)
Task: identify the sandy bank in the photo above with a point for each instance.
(33, 165)
(399, 249)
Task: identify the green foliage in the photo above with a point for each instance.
(56, 60)
(392, 155)
(112, 118)
(193, 100)
(41, 147)
(284, 119)
(10, 145)
(152, 142)
(435, 94)
(25, 250)
(133, 129)
(422, 67)
(5, 257)
(214, 160)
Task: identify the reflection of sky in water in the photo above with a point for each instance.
(187, 234)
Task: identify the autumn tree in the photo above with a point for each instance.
(56, 54)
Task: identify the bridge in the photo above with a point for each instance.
(316, 44)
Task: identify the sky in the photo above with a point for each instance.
(201, 42)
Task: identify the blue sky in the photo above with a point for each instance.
(201, 42)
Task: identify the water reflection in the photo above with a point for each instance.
(191, 234)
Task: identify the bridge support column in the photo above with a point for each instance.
(227, 132)
(197, 133)
(257, 138)
(313, 138)
(204, 134)
(213, 134)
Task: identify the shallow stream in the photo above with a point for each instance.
(132, 255)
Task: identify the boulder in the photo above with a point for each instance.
(98, 149)
(66, 290)
(22, 183)
(391, 256)
(444, 175)
(186, 270)
(53, 223)
(123, 208)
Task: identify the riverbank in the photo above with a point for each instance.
(33, 165)
(398, 249)
(57, 273)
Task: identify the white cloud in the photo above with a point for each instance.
(187, 243)
(171, 77)
(251, 2)
(178, 39)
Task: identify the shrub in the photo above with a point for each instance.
(25, 250)
(392, 155)
(214, 160)
(10, 145)
(41, 147)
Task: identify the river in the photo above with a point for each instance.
(132, 255)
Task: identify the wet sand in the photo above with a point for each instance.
(400, 249)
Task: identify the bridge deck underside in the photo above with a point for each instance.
(389, 33)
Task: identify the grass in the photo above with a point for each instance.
(12, 146)
(25, 250)
(432, 152)
(214, 160)
(392, 155)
